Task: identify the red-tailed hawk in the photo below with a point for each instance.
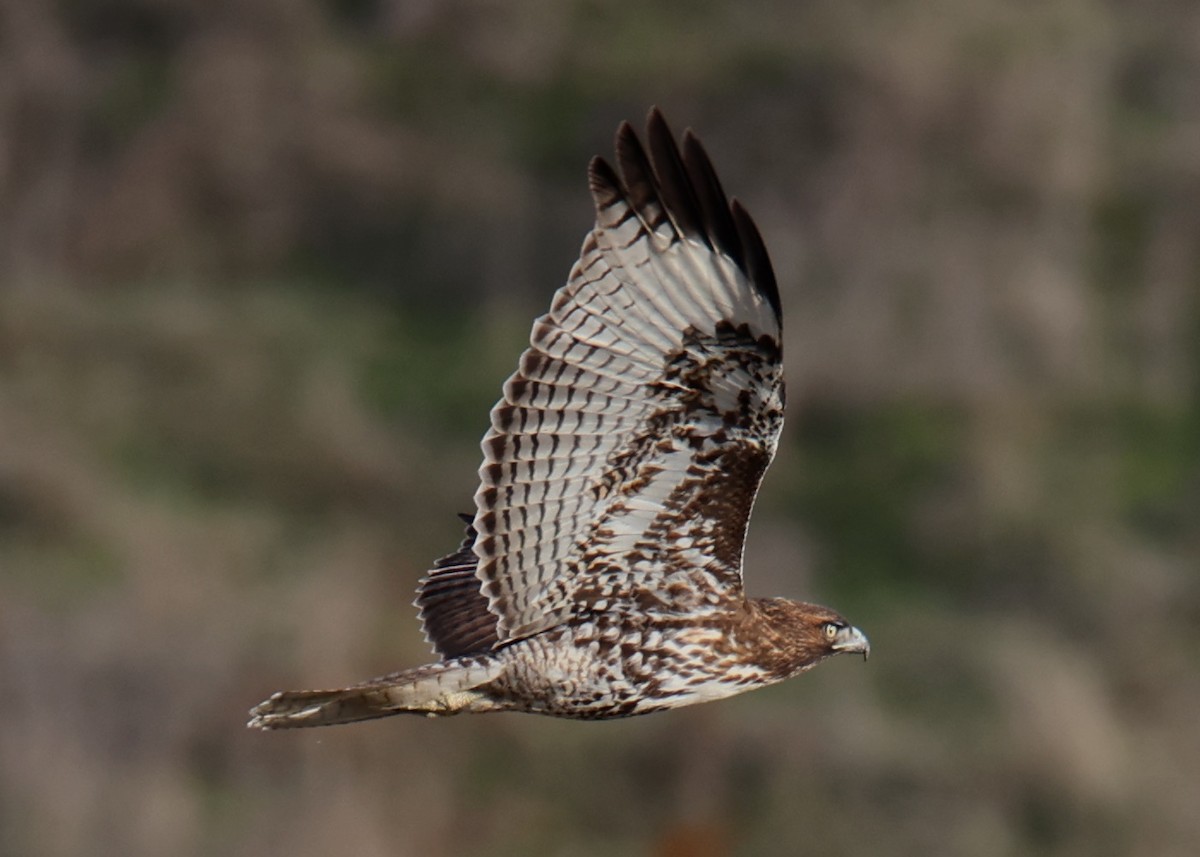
(601, 575)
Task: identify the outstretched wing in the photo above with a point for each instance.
(625, 455)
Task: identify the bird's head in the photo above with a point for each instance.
(803, 634)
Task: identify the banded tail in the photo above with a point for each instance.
(435, 690)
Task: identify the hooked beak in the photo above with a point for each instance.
(850, 640)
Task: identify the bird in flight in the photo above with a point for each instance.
(601, 574)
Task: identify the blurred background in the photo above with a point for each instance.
(264, 265)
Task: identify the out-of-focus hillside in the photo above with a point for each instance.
(264, 265)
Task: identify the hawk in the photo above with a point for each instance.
(601, 574)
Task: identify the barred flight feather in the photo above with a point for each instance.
(665, 270)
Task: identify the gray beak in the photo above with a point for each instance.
(850, 640)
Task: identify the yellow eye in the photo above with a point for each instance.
(831, 630)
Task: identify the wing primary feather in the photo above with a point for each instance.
(713, 202)
(675, 190)
(757, 262)
(638, 181)
(604, 184)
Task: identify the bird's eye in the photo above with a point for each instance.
(831, 630)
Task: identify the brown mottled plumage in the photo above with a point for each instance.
(601, 575)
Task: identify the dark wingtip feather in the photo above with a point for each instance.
(603, 182)
(713, 202)
(637, 177)
(660, 182)
(675, 189)
(756, 263)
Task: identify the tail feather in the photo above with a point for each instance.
(435, 690)
(290, 709)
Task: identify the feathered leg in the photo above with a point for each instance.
(433, 690)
